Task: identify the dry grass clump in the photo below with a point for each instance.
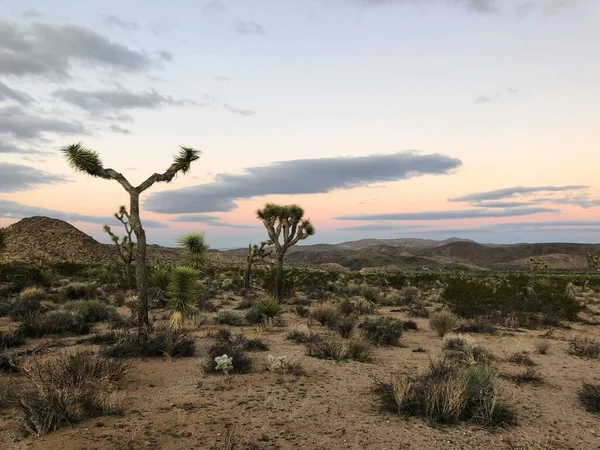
(522, 359)
(528, 375)
(11, 339)
(442, 322)
(584, 347)
(229, 318)
(589, 397)
(383, 330)
(328, 347)
(67, 389)
(462, 349)
(458, 342)
(448, 393)
(359, 349)
(478, 325)
(325, 313)
(160, 341)
(281, 365)
(54, 322)
(542, 347)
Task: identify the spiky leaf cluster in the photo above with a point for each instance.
(183, 290)
(195, 249)
(285, 221)
(84, 160)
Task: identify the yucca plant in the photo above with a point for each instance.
(285, 222)
(183, 291)
(195, 249)
(88, 161)
(266, 310)
(160, 282)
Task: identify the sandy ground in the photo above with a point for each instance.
(171, 404)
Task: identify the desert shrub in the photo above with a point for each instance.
(301, 337)
(229, 318)
(67, 389)
(589, 397)
(442, 322)
(584, 347)
(410, 325)
(325, 313)
(457, 342)
(246, 303)
(371, 293)
(28, 302)
(53, 322)
(383, 330)
(528, 375)
(281, 365)
(11, 339)
(359, 349)
(267, 309)
(522, 359)
(478, 325)
(256, 344)
(160, 341)
(92, 311)
(408, 295)
(448, 393)
(232, 346)
(418, 309)
(346, 307)
(77, 291)
(520, 294)
(345, 325)
(301, 311)
(328, 347)
(363, 306)
(68, 268)
(9, 363)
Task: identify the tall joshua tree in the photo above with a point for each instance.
(255, 253)
(287, 223)
(88, 161)
(125, 245)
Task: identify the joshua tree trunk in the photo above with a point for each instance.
(141, 270)
(279, 277)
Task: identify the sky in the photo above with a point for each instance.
(381, 118)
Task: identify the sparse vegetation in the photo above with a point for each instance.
(160, 341)
(584, 347)
(589, 397)
(232, 346)
(383, 330)
(442, 322)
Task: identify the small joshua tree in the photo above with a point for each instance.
(88, 161)
(285, 222)
(195, 249)
(255, 254)
(183, 291)
(125, 245)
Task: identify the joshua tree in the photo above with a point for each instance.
(195, 249)
(255, 253)
(88, 161)
(287, 222)
(125, 245)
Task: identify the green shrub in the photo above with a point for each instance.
(28, 302)
(442, 322)
(67, 389)
(267, 309)
(92, 311)
(383, 330)
(585, 347)
(229, 318)
(408, 295)
(345, 325)
(370, 293)
(53, 322)
(589, 397)
(161, 341)
(301, 337)
(478, 325)
(76, 291)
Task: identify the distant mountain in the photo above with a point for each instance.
(43, 238)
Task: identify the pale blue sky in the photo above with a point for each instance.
(508, 88)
